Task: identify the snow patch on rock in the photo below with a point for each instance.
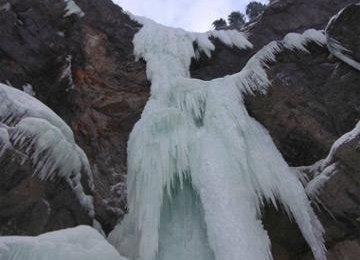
(80, 243)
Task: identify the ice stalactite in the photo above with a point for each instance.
(199, 167)
(33, 128)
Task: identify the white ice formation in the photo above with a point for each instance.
(80, 243)
(323, 170)
(33, 128)
(72, 8)
(335, 46)
(200, 168)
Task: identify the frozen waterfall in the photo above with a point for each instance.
(199, 167)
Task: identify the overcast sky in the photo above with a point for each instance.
(193, 15)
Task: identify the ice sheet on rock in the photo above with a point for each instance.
(342, 140)
(342, 53)
(313, 188)
(72, 8)
(52, 155)
(324, 169)
(16, 105)
(46, 139)
(335, 46)
(200, 131)
(80, 243)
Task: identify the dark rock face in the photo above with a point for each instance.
(29, 206)
(314, 99)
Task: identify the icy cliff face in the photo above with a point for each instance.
(200, 133)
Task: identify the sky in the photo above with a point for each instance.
(192, 15)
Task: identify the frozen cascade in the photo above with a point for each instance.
(199, 167)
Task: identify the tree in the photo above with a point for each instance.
(219, 24)
(254, 9)
(236, 19)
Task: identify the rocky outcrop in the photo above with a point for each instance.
(30, 206)
(83, 68)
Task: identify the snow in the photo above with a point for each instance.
(72, 8)
(199, 167)
(46, 139)
(80, 243)
(297, 41)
